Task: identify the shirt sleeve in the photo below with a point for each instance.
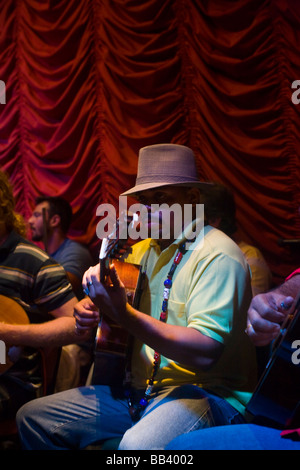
(219, 298)
(52, 288)
(75, 259)
(261, 277)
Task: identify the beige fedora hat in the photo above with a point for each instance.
(164, 165)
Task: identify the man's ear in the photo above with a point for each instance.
(54, 221)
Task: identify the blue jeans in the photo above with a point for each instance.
(240, 437)
(79, 417)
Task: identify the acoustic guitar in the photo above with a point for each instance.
(112, 341)
(276, 398)
(11, 313)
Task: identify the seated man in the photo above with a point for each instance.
(50, 223)
(192, 364)
(266, 313)
(39, 285)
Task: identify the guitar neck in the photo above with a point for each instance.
(106, 248)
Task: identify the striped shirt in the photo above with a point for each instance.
(29, 276)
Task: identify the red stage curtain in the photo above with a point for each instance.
(90, 82)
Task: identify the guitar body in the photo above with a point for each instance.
(112, 341)
(11, 313)
(276, 399)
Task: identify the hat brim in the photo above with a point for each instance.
(144, 187)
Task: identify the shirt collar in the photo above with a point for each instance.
(191, 233)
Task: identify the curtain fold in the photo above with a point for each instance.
(88, 83)
(244, 124)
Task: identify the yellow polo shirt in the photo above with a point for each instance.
(211, 292)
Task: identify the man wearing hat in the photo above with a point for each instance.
(192, 365)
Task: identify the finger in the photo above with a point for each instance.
(85, 304)
(265, 312)
(93, 277)
(286, 303)
(88, 304)
(85, 319)
(89, 315)
(87, 277)
(260, 339)
(87, 284)
(86, 309)
(80, 330)
(261, 325)
(87, 322)
(264, 335)
(86, 280)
